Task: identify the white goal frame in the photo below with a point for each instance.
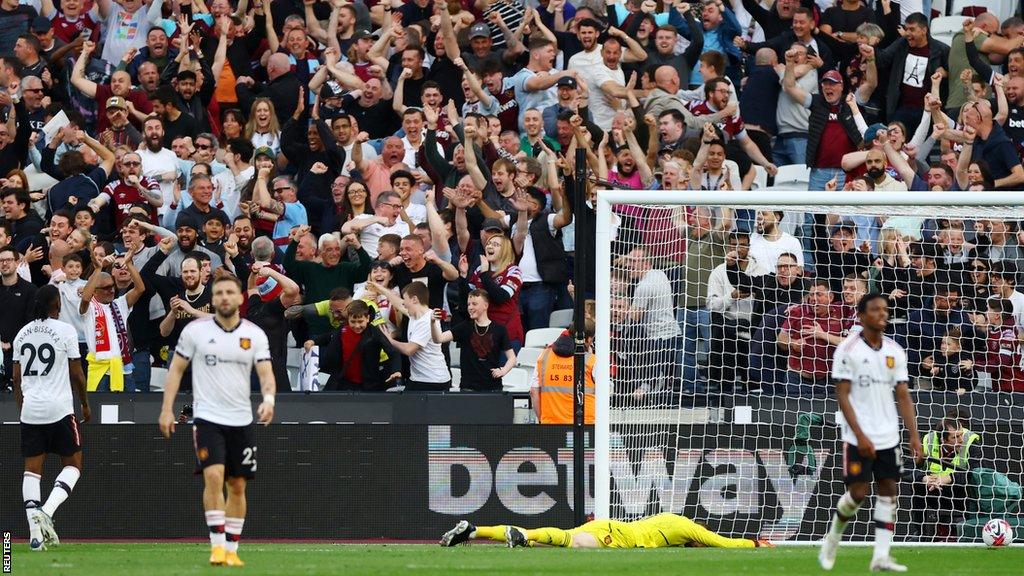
(602, 289)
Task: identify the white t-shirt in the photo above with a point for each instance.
(90, 321)
(426, 365)
(370, 236)
(410, 151)
(369, 153)
(124, 31)
(600, 111)
(653, 294)
(222, 363)
(71, 299)
(767, 253)
(874, 375)
(528, 261)
(43, 348)
(154, 165)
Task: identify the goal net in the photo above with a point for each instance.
(716, 324)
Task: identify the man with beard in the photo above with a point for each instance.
(239, 245)
(148, 77)
(770, 241)
(187, 242)
(28, 52)
(193, 100)
(120, 85)
(131, 189)
(876, 164)
(320, 278)
(16, 298)
(716, 98)
(110, 347)
(345, 130)
(927, 326)
(176, 123)
(185, 299)
(159, 163)
(120, 132)
(270, 292)
(538, 237)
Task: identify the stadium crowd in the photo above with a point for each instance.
(408, 165)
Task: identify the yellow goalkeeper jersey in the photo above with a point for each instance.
(662, 530)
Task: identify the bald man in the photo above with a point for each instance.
(992, 145)
(282, 89)
(120, 85)
(989, 44)
(876, 164)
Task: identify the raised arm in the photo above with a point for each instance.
(634, 52)
(78, 80)
(272, 39)
(447, 32)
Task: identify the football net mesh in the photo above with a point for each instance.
(723, 324)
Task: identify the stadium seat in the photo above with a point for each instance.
(295, 357)
(541, 337)
(456, 379)
(1002, 9)
(518, 380)
(528, 357)
(945, 27)
(939, 9)
(561, 318)
(792, 177)
(760, 178)
(456, 355)
(291, 340)
(156, 379)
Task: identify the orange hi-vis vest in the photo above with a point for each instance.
(555, 383)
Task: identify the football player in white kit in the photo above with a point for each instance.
(223, 350)
(46, 366)
(868, 368)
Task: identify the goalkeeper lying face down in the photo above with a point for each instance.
(657, 531)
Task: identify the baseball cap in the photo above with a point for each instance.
(492, 224)
(359, 35)
(330, 89)
(872, 132)
(479, 30)
(117, 102)
(832, 76)
(265, 151)
(843, 225)
(41, 24)
(566, 81)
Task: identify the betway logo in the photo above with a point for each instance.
(734, 490)
(518, 468)
(636, 485)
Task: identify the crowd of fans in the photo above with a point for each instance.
(391, 176)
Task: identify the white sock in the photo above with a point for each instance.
(215, 520)
(885, 511)
(846, 509)
(31, 494)
(233, 530)
(62, 488)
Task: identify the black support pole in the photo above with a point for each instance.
(584, 243)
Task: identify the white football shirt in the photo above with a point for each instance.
(222, 363)
(874, 375)
(426, 365)
(43, 348)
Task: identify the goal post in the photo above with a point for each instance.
(718, 453)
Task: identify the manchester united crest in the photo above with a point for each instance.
(890, 362)
(203, 454)
(854, 468)
(245, 343)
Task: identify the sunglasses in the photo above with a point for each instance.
(282, 189)
(203, 146)
(131, 164)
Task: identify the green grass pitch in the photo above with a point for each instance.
(413, 559)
